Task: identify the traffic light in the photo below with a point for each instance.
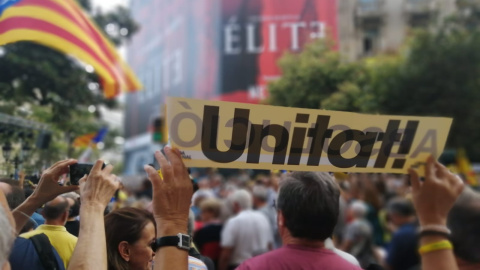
(159, 130)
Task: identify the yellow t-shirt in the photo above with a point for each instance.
(61, 240)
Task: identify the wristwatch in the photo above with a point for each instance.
(181, 241)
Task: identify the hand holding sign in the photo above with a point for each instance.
(434, 198)
(172, 195)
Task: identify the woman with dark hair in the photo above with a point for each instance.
(130, 233)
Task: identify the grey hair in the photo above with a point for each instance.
(309, 202)
(260, 192)
(359, 209)
(7, 237)
(242, 197)
(191, 223)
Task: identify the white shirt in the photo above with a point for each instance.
(346, 256)
(248, 233)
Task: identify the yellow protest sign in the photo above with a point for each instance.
(236, 135)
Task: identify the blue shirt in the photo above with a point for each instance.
(402, 250)
(25, 256)
(38, 219)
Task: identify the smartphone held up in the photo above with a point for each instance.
(77, 171)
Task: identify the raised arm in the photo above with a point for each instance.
(47, 189)
(433, 199)
(96, 190)
(172, 194)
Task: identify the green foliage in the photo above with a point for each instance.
(438, 77)
(311, 76)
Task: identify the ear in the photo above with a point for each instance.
(124, 250)
(236, 207)
(280, 219)
(65, 215)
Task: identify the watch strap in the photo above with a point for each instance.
(181, 241)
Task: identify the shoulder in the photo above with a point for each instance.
(260, 262)
(71, 238)
(346, 256)
(194, 263)
(27, 235)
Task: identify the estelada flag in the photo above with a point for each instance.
(464, 167)
(84, 140)
(62, 25)
(90, 139)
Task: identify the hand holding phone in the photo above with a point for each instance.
(78, 170)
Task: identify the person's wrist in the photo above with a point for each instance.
(93, 205)
(37, 200)
(429, 221)
(168, 228)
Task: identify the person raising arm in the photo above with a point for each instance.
(96, 190)
(433, 199)
(172, 194)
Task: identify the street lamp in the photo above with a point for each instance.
(6, 150)
(26, 150)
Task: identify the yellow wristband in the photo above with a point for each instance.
(440, 245)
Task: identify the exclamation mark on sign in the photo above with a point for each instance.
(406, 144)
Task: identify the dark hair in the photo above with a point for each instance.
(15, 198)
(11, 182)
(124, 224)
(74, 209)
(54, 211)
(401, 206)
(464, 222)
(309, 202)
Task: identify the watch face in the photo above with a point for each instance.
(185, 241)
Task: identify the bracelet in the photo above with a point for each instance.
(440, 245)
(438, 228)
(434, 233)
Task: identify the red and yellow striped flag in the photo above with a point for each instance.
(84, 140)
(62, 25)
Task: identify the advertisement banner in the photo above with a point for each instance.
(255, 35)
(237, 135)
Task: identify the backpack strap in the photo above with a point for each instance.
(45, 251)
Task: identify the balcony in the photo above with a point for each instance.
(465, 4)
(420, 12)
(369, 13)
(420, 6)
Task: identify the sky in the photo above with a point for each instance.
(108, 4)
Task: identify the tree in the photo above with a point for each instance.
(55, 87)
(312, 76)
(437, 76)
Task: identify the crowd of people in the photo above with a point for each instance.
(207, 219)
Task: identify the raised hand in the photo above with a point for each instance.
(48, 187)
(172, 192)
(434, 198)
(99, 186)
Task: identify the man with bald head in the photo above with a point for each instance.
(56, 213)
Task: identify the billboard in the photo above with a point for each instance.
(214, 50)
(255, 34)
